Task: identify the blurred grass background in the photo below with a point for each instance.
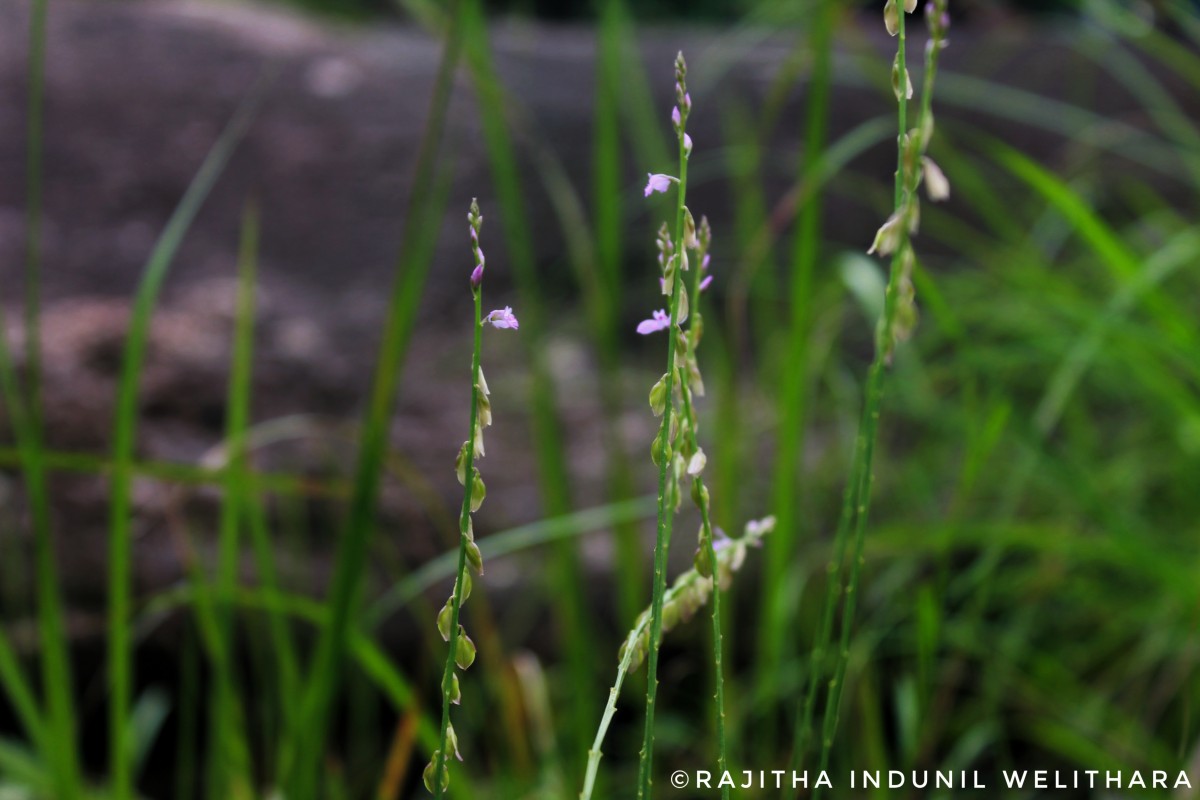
(1030, 595)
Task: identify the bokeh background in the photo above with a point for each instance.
(1031, 584)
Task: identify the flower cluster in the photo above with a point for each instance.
(462, 649)
(894, 236)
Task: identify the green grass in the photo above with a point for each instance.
(1024, 595)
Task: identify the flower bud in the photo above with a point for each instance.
(696, 463)
(467, 585)
(910, 6)
(464, 650)
(935, 180)
(687, 146)
(888, 238)
(699, 494)
(703, 560)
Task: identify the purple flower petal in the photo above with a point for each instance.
(675, 117)
(659, 321)
(503, 318)
(477, 275)
(657, 182)
(704, 284)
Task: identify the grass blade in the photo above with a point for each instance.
(120, 654)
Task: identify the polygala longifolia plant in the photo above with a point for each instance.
(461, 649)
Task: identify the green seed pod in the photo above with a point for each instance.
(428, 775)
(658, 396)
(466, 587)
(682, 316)
(464, 650)
(703, 561)
(656, 448)
(474, 557)
(460, 464)
(695, 381)
(485, 410)
(908, 85)
(452, 741)
(478, 492)
(891, 18)
(445, 619)
(455, 689)
(478, 439)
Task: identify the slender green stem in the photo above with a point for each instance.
(706, 530)
(662, 537)
(610, 709)
(464, 525)
(862, 477)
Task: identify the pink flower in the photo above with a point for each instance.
(659, 321)
(676, 119)
(503, 318)
(477, 276)
(658, 182)
(704, 284)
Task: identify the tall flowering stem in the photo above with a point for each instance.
(461, 649)
(695, 459)
(899, 318)
(674, 263)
